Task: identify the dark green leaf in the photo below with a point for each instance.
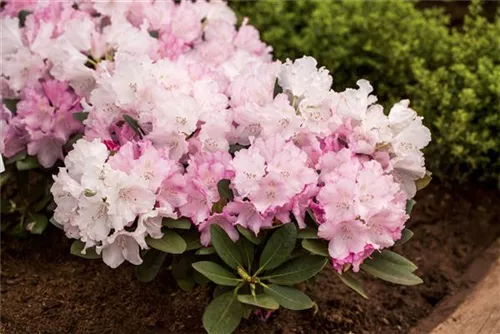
(317, 247)
(248, 235)
(423, 182)
(205, 251)
(183, 272)
(247, 251)
(42, 204)
(277, 88)
(133, 125)
(223, 314)
(5, 177)
(22, 17)
(224, 191)
(11, 104)
(56, 224)
(279, 247)
(307, 233)
(352, 282)
(81, 116)
(290, 298)
(409, 206)
(19, 156)
(29, 162)
(171, 242)
(72, 140)
(262, 300)
(390, 271)
(396, 259)
(225, 247)
(297, 270)
(6, 206)
(181, 223)
(150, 266)
(216, 273)
(154, 34)
(192, 240)
(405, 236)
(90, 253)
(37, 223)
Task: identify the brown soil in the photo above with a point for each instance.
(44, 289)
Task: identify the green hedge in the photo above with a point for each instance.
(452, 76)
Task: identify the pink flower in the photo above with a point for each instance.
(223, 220)
(248, 216)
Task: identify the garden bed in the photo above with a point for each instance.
(46, 290)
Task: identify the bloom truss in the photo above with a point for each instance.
(189, 119)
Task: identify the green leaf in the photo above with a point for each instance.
(11, 104)
(22, 17)
(409, 206)
(262, 300)
(307, 233)
(133, 125)
(224, 191)
(225, 247)
(248, 235)
(56, 224)
(192, 240)
(183, 272)
(297, 270)
(205, 251)
(317, 247)
(29, 162)
(396, 259)
(247, 251)
(277, 88)
(423, 182)
(72, 140)
(37, 223)
(216, 273)
(42, 204)
(5, 177)
(352, 282)
(279, 247)
(80, 116)
(150, 266)
(6, 206)
(290, 298)
(181, 223)
(405, 236)
(390, 271)
(223, 314)
(19, 156)
(77, 247)
(171, 242)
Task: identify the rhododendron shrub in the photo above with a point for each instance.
(200, 154)
(255, 178)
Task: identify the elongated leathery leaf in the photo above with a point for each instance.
(225, 247)
(171, 242)
(216, 273)
(390, 271)
(317, 247)
(150, 266)
(223, 314)
(90, 253)
(297, 270)
(279, 247)
(290, 298)
(262, 300)
(352, 282)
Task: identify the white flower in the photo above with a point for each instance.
(301, 77)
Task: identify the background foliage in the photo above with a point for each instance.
(451, 75)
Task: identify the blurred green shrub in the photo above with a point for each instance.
(452, 76)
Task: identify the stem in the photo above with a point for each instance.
(238, 287)
(243, 274)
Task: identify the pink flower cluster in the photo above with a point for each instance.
(77, 44)
(179, 99)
